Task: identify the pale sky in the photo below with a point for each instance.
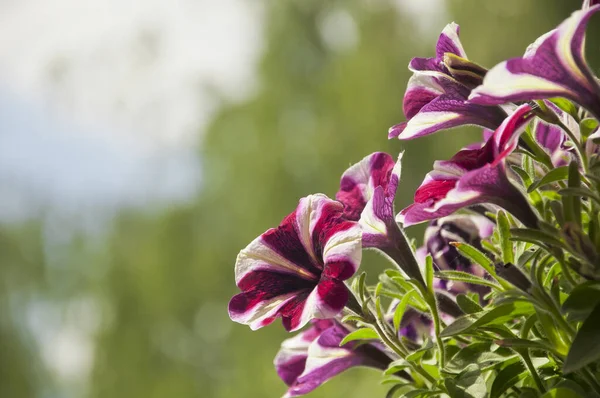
(102, 100)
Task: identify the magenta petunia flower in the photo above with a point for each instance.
(553, 66)
(297, 270)
(367, 190)
(474, 176)
(314, 356)
(436, 95)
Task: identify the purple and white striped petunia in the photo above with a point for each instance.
(437, 92)
(314, 356)
(297, 270)
(367, 190)
(553, 66)
(474, 176)
(465, 228)
(359, 182)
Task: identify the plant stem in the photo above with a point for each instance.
(536, 377)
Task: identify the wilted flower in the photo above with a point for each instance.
(554, 65)
(296, 271)
(314, 356)
(474, 176)
(436, 95)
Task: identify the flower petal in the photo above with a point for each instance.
(327, 359)
(361, 179)
(290, 361)
(448, 110)
(553, 66)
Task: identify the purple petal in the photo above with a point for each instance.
(290, 361)
(295, 271)
(553, 66)
(361, 179)
(449, 42)
(449, 110)
(326, 359)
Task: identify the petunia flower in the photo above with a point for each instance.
(464, 228)
(297, 270)
(314, 356)
(367, 190)
(437, 93)
(553, 66)
(474, 176)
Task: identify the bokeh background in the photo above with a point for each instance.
(143, 143)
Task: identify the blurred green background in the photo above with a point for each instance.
(152, 289)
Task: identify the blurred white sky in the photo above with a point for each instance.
(101, 101)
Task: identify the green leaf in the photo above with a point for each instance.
(504, 234)
(587, 126)
(462, 276)
(475, 256)
(523, 343)
(507, 378)
(537, 237)
(360, 334)
(582, 300)
(495, 316)
(561, 393)
(523, 174)
(401, 308)
(468, 384)
(416, 355)
(572, 203)
(585, 348)
(565, 105)
(581, 192)
(554, 175)
(394, 391)
(396, 366)
(467, 305)
(480, 353)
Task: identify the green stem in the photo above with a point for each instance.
(397, 350)
(533, 371)
(580, 151)
(437, 324)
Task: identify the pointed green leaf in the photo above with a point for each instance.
(582, 300)
(554, 175)
(360, 334)
(561, 393)
(467, 305)
(504, 234)
(494, 316)
(462, 276)
(401, 308)
(585, 348)
(507, 378)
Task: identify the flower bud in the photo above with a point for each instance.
(466, 72)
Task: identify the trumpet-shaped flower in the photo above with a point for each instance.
(553, 66)
(474, 176)
(296, 271)
(436, 95)
(367, 190)
(314, 356)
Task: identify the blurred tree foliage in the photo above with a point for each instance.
(161, 281)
